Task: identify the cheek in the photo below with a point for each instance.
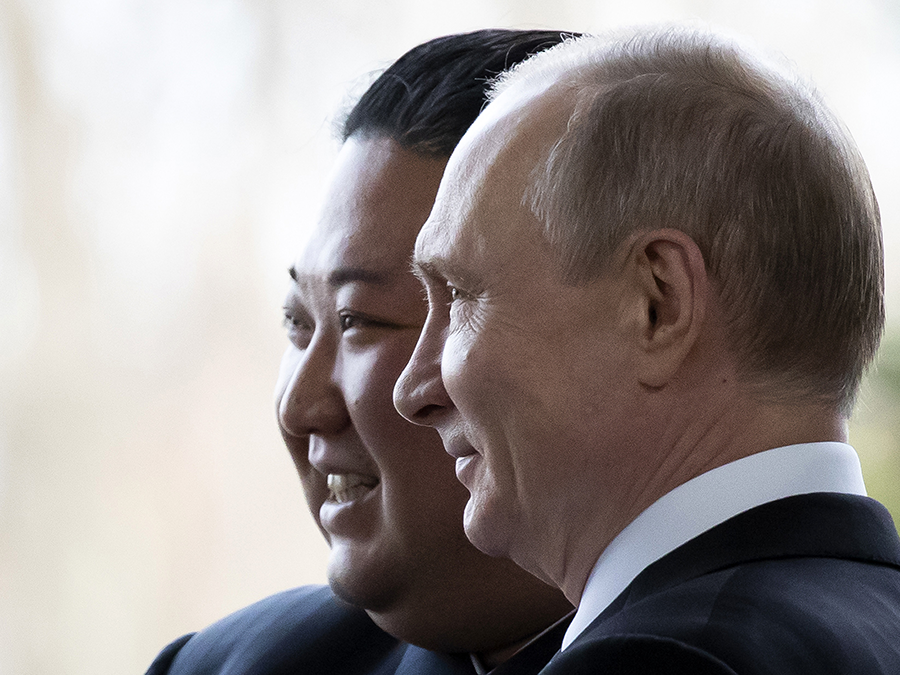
(367, 381)
(315, 489)
(472, 370)
(456, 364)
(484, 380)
(289, 361)
(418, 476)
(423, 497)
(368, 375)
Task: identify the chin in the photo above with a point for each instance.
(408, 620)
(398, 604)
(354, 585)
(360, 577)
(484, 536)
(345, 592)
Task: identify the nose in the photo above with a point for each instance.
(419, 393)
(309, 395)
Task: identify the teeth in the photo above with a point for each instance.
(345, 487)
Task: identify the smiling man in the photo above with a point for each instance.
(408, 593)
(654, 273)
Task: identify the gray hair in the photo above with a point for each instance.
(683, 129)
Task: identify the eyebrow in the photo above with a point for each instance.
(425, 270)
(348, 275)
(440, 270)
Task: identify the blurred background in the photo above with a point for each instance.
(159, 162)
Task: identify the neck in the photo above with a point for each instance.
(726, 429)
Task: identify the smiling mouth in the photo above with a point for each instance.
(460, 450)
(348, 487)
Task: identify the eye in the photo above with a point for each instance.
(298, 327)
(455, 293)
(291, 321)
(349, 321)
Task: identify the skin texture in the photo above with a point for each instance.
(353, 314)
(510, 351)
(570, 408)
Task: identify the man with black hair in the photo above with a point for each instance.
(381, 489)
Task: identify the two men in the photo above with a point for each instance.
(654, 274)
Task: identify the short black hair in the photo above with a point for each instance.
(428, 97)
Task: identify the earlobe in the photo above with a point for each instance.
(672, 292)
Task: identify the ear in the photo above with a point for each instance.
(672, 291)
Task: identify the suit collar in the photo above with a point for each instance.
(826, 525)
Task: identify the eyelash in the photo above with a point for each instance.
(457, 293)
(294, 324)
(290, 321)
(349, 321)
(300, 329)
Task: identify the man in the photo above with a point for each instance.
(380, 489)
(654, 274)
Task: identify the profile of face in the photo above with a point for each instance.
(382, 490)
(519, 371)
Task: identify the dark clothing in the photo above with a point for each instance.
(308, 631)
(807, 585)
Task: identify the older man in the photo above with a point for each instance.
(654, 273)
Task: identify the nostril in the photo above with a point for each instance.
(426, 415)
(426, 412)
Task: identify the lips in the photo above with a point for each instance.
(348, 487)
(459, 448)
(353, 508)
(466, 458)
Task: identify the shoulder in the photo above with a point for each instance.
(305, 626)
(621, 654)
(820, 615)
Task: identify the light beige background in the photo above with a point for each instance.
(159, 162)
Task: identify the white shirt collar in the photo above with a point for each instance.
(706, 501)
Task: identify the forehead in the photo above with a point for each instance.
(377, 199)
(480, 207)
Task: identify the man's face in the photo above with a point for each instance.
(393, 512)
(524, 376)
(353, 315)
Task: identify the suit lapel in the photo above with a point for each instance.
(813, 525)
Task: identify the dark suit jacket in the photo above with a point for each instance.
(308, 631)
(808, 585)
